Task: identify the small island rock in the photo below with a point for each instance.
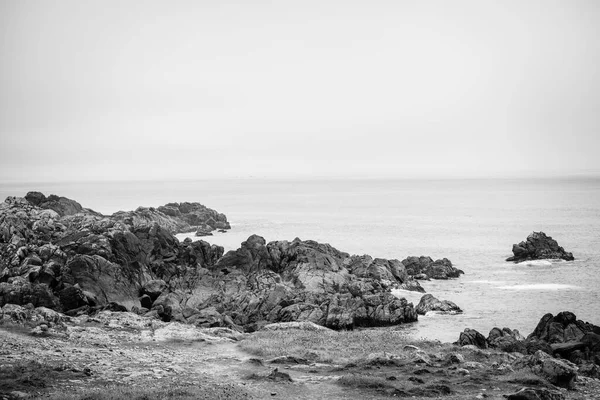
(539, 246)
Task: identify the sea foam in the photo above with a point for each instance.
(539, 286)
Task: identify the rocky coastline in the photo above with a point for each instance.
(57, 254)
(71, 277)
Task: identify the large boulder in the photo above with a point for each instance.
(429, 303)
(471, 337)
(507, 339)
(539, 246)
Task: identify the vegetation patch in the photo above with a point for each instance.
(33, 376)
(338, 347)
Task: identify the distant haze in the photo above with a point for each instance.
(199, 89)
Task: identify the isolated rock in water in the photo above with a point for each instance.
(539, 246)
(528, 393)
(472, 337)
(430, 303)
(424, 267)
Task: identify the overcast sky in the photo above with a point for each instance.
(195, 89)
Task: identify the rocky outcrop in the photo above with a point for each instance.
(559, 346)
(52, 258)
(308, 281)
(539, 246)
(83, 262)
(61, 205)
(568, 337)
(425, 268)
(429, 303)
(176, 218)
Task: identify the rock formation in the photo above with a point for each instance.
(425, 268)
(429, 303)
(87, 260)
(308, 281)
(573, 341)
(539, 246)
(56, 254)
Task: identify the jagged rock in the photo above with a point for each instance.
(528, 393)
(175, 217)
(61, 205)
(309, 281)
(472, 337)
(145, 301)
(568, 337)
(539, 246)
(561, 373)
(425, 268)
(508, 340)
(430, 303)
(154, 288)
(45, 253)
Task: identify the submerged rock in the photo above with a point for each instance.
(539, 246)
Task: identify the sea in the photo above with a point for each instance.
(472, 222)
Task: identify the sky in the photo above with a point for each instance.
(120, 90)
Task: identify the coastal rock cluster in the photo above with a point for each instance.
(539, 246)
(425, 268)
(54, 253)
(558, 348)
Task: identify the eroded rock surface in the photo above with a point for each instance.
(426, 268)
(429, 303)
(539, 246)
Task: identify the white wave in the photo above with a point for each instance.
(536, 263)
(540, 286)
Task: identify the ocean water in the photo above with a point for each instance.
(472, 222)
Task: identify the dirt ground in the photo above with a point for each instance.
(107, 356)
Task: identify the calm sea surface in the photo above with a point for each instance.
(472, 222)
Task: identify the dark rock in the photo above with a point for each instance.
(146, 301)
(472, 337)
(154, 288)
(564, 327)
(309, 281)
(430, 303)
(539, 246)
(507, 340)
(426, 267)
(72, 297)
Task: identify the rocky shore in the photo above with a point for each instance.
(57, 254)
(93, 303)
